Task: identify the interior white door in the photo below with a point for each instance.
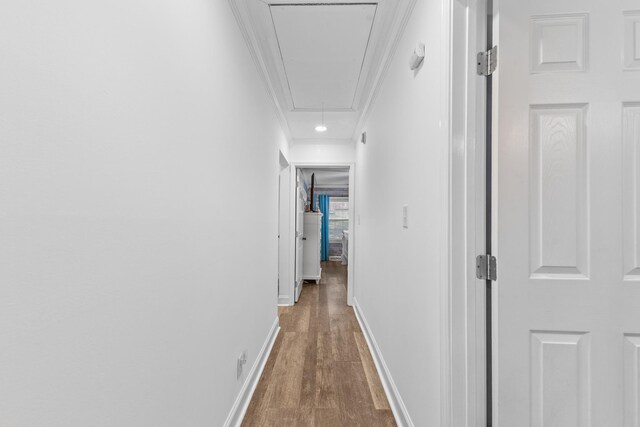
(567, 202)
(300, 208)
(284, 196)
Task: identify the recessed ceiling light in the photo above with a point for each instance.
(322, 127)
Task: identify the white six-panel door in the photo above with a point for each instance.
(567, 213)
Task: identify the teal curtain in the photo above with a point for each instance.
(324, 208)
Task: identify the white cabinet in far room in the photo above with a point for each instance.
(312, 240)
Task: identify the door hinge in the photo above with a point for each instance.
(486, 267)
(487, 61)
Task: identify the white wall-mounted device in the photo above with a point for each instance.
(417, 57)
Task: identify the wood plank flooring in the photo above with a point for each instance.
(320, 372)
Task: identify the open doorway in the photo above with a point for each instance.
(321, 224)
(331, 195)
(323, 220)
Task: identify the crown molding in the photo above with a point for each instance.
(256, 24)
(244, 21)
(403, 13)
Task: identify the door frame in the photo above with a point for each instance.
(351, 249)
(283, 233)
(466, 398)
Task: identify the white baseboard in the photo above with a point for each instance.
(284, 300)
(298, 291)
(400, 412)
(246, 392)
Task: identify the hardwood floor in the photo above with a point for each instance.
(320, 372)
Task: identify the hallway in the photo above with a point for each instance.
(320, 371)
(171, 172)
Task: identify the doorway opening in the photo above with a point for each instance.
(323, 222)
(329, 211)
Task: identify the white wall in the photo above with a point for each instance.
(400, 272)
(323, 151)
(138, 255)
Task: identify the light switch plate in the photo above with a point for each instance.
(242, 360)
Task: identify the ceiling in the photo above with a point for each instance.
(328, 177)
(322, 49)
(322, 56)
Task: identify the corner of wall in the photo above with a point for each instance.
(400, 412)
(241, 404)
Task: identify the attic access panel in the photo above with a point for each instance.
(323, 48)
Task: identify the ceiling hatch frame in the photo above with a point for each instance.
(256, 23)
(364, 66)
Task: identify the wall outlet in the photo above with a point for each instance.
(405, 216)
(242, 360)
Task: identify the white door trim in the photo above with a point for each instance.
(352, 207)
(284, 255)
(466, 322)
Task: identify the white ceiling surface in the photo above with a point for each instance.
(340, 125)
(315, 52)
(328, 177)
(323, 48)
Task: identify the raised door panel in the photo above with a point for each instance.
(559, 211)
(631, 190)
(632, 40)
(560, 382)
(631, 374)
(559, 43)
